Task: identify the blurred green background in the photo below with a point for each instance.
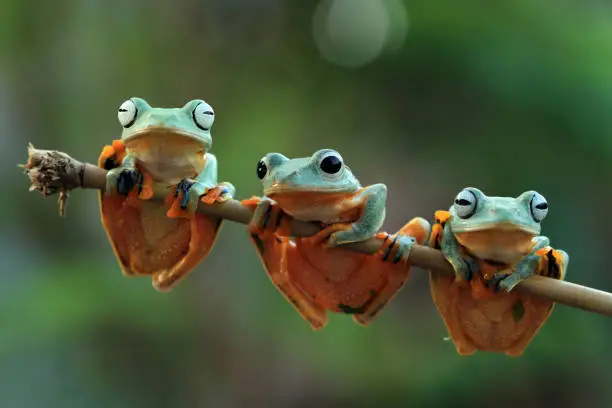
(427, 97)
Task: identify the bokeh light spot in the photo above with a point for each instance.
(353, 33)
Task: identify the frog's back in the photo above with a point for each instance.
(478, 320)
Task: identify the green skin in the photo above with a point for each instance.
(174, 122)
(495, 213)
(286, 175)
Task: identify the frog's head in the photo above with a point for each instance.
(191, 123)
(497, 228)
(323, 172)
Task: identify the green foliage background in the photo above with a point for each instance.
(505, 96)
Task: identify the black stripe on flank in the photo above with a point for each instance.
(554, 270)
(266, 217)
(351, 310)
(388, 251)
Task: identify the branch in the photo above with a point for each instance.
(51, 172)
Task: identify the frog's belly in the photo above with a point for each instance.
(334, 277)
(491, 323)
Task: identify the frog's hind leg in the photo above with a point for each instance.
(278, 254)
(394, 253)
(201, 233)
(532, 311)
(120, 204)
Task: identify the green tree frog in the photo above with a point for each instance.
(493, 243)
(313, 273)
(167, 147)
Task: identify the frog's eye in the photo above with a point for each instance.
(538, 206)
(127, 113)
(262, 169)
(203, 116)
(331, 163)
(465, 204)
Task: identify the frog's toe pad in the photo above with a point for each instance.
(504, 283)
(218, 194)
(128, 180)
(180, 199)
(251, 202)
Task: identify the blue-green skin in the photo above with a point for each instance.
(305, 175)
(177, 121)
(496, 212)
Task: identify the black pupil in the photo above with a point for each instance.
(542, 206)
(262, 169)
(331, 164)
(462, 201)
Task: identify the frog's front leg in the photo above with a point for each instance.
(542, 260)
(275, 252)
(394, 253)
(189, 192)
(374, 199)
(465, 266)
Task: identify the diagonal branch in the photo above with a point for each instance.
(51, 172)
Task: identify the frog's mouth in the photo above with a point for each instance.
(294, 198)
(277, 189)
(164, 136)
(506, 243)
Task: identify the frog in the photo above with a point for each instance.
(493, 244)
(163, 148)
(316, 274)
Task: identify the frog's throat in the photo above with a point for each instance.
(507, 244)
(161, 131)
(495, 226)
(278, 189)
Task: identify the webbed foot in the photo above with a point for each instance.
(527, 267)
(268, 218)
(219, 194)
(188, 193)
(124, 180)
(329, 236)
(396, 247)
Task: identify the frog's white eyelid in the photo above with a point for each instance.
(465, 203)
(538, 207)
(203, 115)
(127, 113)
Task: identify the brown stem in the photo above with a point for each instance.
(51, 172)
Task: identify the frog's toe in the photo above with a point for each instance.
(267, 217)
(219, 194)
(184, 200)
(523, 270)
(124, 181)
(397, 248)
(465, 268)
(183, 192)
(506, 284)
(333, 235)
